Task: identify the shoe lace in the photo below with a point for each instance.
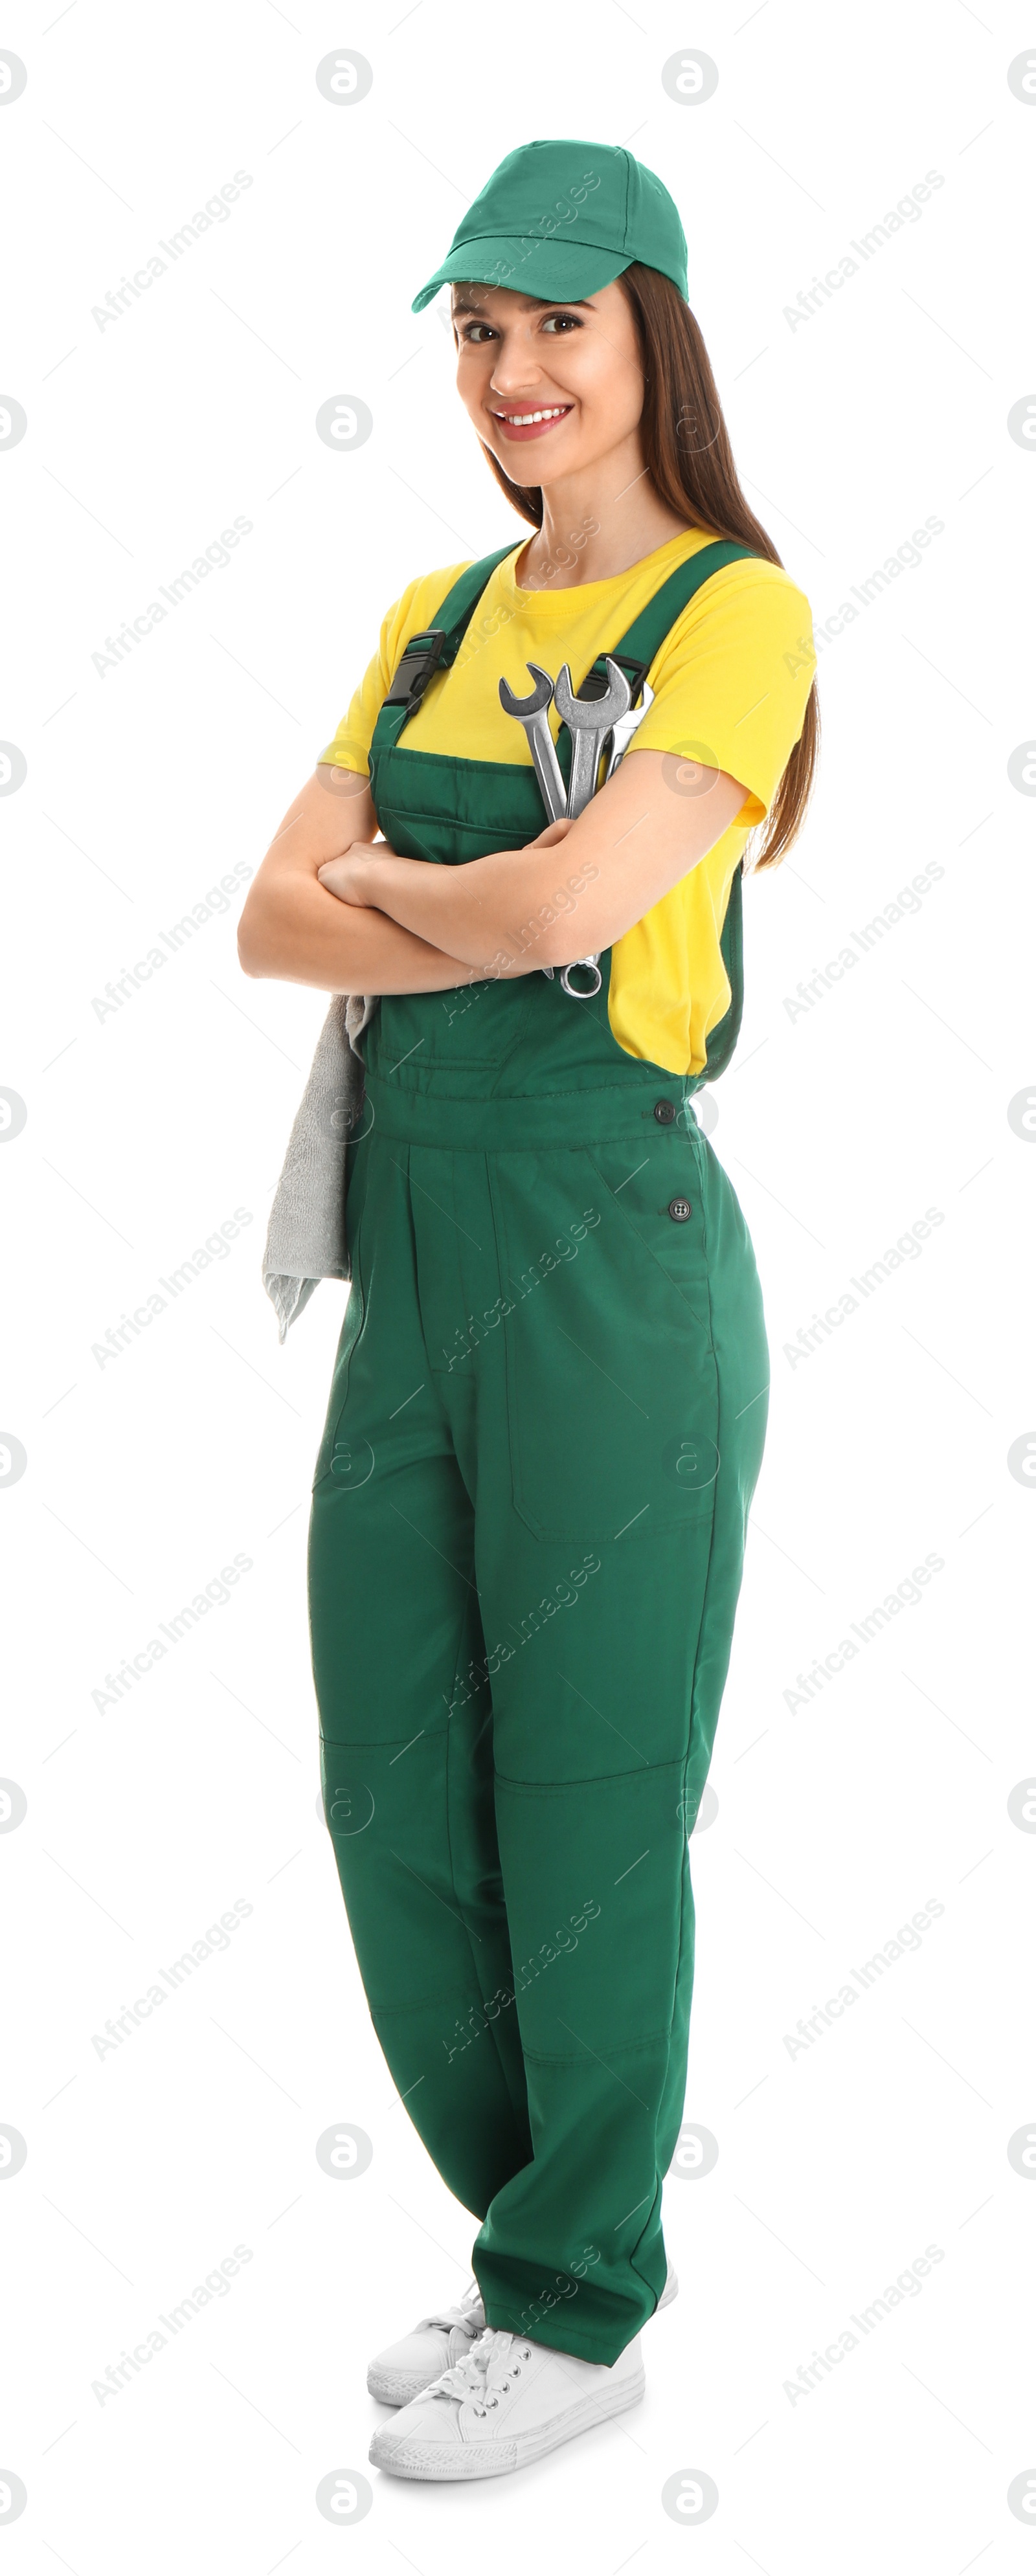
(483, 2373)
(468, 2313)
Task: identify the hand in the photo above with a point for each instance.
(349, 877)
(555, 832)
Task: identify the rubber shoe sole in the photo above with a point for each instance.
(396, 2387)
(453, 2460)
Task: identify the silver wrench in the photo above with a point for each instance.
(531, 713)
(588, 720)
(623, 732)
(588, 731)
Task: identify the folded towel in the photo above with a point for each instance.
(306, 1239)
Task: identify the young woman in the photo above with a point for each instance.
(549, 1399)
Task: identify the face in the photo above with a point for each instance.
(576, 363)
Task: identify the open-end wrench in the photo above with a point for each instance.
(531, 713)
(623, 731)
(588, 720)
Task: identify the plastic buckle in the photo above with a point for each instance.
(420, 659)
(596, 682)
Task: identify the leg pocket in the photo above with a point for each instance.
(612, 1388)
(593, 1876)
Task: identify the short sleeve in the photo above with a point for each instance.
(732, 680)
(413, 610)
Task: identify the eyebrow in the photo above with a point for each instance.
(530, 304)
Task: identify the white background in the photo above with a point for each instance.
(148, 1818)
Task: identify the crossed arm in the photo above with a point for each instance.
(333, 907)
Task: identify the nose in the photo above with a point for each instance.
(509, 382)
(515, 371)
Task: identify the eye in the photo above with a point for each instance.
(572, 319)
(469, 329)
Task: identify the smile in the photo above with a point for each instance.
(518, 424)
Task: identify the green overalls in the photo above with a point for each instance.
(545, 1427)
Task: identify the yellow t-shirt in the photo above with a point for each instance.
(730, 687)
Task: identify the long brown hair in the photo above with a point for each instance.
(689, 458)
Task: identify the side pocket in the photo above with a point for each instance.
(356, 1168)
(612, 1390)
(641, 1189)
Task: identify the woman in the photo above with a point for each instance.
(548, 1406)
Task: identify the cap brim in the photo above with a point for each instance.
(553, 271)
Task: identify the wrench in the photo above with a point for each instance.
(588, 720)
(588, 732)
(531, 713)
(623, 731)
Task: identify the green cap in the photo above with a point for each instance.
(559, 220)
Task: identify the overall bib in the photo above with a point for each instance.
(545, 1426)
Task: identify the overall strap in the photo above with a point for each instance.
(638, 647)
(432, 648)
(634, 654)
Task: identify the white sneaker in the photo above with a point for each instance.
(403, 2369)
(507, 2402)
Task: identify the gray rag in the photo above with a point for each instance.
(306, 1239)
